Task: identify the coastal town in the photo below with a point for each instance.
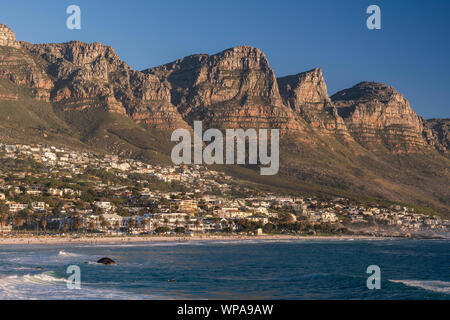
(46, 190)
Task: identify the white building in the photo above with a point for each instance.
(38, 206)
(16, 207)
(105, 205)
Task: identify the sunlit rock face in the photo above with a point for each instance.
(235, 88)
(437, 133)
(378, 116)
(307, 95)
(8, 38)
(92, 75)
(231, 89)
(20, 67)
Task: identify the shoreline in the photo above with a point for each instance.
(46, 240)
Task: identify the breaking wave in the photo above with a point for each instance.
(63, 253)
(429, 285)
(51, 286)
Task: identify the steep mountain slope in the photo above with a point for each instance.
(107, 102)
(377, 116)
(94, 76)
(26, 114)
(437, 133)
(306, 93)
(365, 141)
(235, 88)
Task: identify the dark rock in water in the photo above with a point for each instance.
(39, 268)
(106, 261)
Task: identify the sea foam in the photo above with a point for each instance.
(430, 285)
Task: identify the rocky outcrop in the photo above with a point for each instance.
(150, 103)
(106, 261)
(378, 116)
(97, 101)
(92, 75)
(80, 72)
(437, 133)
(234, 88)
(20, 68)
(306, 93)
(8, 38)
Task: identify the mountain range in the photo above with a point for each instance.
(364, 142)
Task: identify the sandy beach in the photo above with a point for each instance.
(47, 240)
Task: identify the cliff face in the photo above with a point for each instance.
(8, 38)
(92, 75)
(19, 67)
(378, 116)
(82, 94)
(437, 133)
(234, 88)
(306, 94)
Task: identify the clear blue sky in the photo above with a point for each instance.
(411, 52)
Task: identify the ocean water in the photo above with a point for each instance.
(306, 269)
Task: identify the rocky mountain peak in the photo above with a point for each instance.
(304, 90)
(233, 88)
(307, 95)
(79, 60)
(20, 68)
(365, 91)
(7, 37)
(378, 115)
(90, 97)
(242, 57)
(92, 75)
(437, 133)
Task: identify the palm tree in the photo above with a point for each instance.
(44, 223)
(3, 221)
(19, 222)
(197, 224)
(26, 214)
(224, 224)
(102, 221)
(37, 220)
(104, 224)
(131, 224)
(137, 224)
(146, 223)
(77, 224)
(91, 226)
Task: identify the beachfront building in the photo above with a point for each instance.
(16, 207)
(105, 205)
(231, 213)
